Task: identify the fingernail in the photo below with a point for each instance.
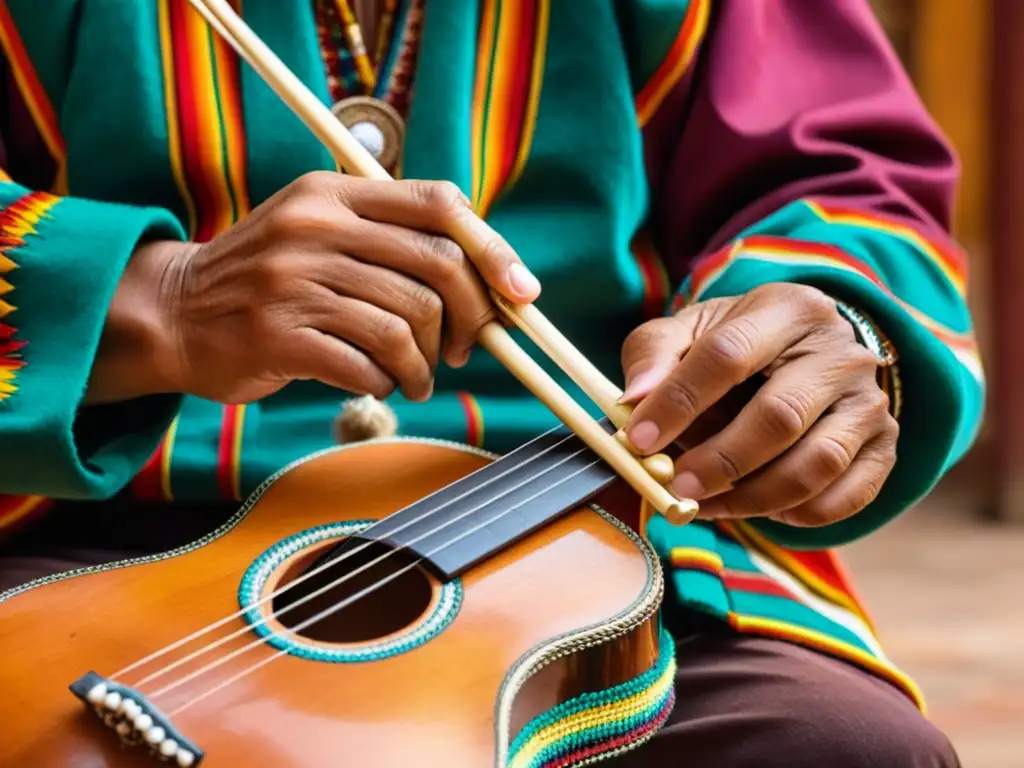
(641, 385)
(523, 282)
(644, 435)
(687, 485)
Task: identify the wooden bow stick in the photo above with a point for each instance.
(353, 157)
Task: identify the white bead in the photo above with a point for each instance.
(370, 136)
(97, 694)
(185, 758)
(123, 728)
(155, 734)
(168, 747)
(143, 722)
(113, 701)
(126, 706)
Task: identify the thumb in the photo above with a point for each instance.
(653, 350)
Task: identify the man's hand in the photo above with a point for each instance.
(348, 281)
(812, 446)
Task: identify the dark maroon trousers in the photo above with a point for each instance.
(742, 702)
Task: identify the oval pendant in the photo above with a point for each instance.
(376, 125)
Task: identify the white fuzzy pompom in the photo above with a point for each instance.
(364, 418)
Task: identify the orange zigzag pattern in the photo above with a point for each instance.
(17, 222)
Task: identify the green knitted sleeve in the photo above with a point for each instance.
(60, 261)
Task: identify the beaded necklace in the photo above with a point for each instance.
(371, 97)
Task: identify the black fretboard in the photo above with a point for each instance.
(484, 512)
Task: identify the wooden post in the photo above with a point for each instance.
(1006, 366)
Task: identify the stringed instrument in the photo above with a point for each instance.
(398, 602)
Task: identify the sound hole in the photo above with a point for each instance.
(388, 608)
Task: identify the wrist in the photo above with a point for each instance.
(139, 352)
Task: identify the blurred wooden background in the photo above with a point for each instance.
(961, 55)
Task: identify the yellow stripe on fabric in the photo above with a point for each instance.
(898, 230)
(750, 538)
(165, 460)
(962, 345)
(588, 718)
(676, 63)
(816, 640)
(236, 453)
(682, 557)
(508, 33)
(28, 505)
(485, 63)
(504, 114)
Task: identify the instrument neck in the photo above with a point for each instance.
(482, 514)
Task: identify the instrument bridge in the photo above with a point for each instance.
(135, 720)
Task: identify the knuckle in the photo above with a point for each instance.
(785, 414)
(314, 183)
(679, 397)
(296, 218)
(492, 251)
(726, 465)
(891, 431)
(446, 258)
(730, 347)
(798, 485)
(426, 306)
(813, 514)
(884, 454)
(830, 457)
(880, 403)
(271, 273)
(862, 496)
(746, 505)
(861, 358)
(391, 332)
(817, 305)
(441, 198)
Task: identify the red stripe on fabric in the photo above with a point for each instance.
(13, 513)
(36, 98)
(755, 583)
(469, 408)
(226, 452)
(147, 485)
(519, 87)
(954, 258)
(188, 121)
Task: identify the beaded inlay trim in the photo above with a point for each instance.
(588, 728)
(255, 578)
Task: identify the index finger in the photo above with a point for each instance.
(439, 207)
(722, 358)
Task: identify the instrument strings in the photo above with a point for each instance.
(324, 566)
(366, 566)
(337, 582)
(327, 612)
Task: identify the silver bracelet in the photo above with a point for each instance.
(867, 335)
